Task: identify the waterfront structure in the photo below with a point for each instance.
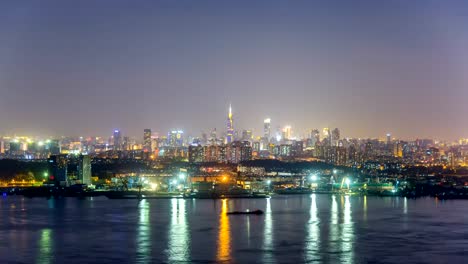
(58, 165)
(84, 169)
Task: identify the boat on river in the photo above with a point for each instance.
(255, 212)
(296, 190)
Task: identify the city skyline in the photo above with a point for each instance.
(164, 66)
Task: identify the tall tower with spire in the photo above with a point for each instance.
(230, 127)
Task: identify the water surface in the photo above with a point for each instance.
(294, 229)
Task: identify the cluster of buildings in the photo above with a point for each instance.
(59, 174)
(234, 146)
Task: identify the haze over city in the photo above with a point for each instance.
(368, 68)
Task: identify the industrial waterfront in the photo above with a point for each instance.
(316, 228)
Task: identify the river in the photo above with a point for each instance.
(293, 229)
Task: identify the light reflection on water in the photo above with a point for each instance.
(334, 229)
(45, 255)
(313, 231)
(364, 209)
(224, 235)
(294, 229)
(347, 233)
(144, 233)
(268, 234)
(179, 236)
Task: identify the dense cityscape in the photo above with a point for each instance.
(277, 159)
(233, 131)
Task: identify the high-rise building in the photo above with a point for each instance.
(267, 128)
(297, 148)
(246, 135)
(15, 148)
(147, 140)
(335, 136)
(176, 138)
(230, 127)
(58, 169)
(246, 151)
(55, 147)
(196, 153)
(256, 146)
(84, 169)
(398, 150)
(285, 150)
(126, 144)
(287, 133)
(327, 136)
(117, 140)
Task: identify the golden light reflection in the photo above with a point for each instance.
(144, 233)
(365, 208)
(179, 240)
(313, 231)
(224, 236)
(45, 247)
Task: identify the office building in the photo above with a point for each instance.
(117, 137)
(58, 165)
(287, 133)
(196, 153)
(147, 140)
(230, 127)
(84, 169)
(267, 128)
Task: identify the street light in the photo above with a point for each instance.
(181, 176)
(347, 181)
(313, 177)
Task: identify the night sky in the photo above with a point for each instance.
(367, 67)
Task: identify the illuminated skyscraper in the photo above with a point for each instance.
(287, 132)
(230, 127)
(147, 140)
(176, 138)
(117, 140)
(84, 169)
(327, 137)
(267, 128)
